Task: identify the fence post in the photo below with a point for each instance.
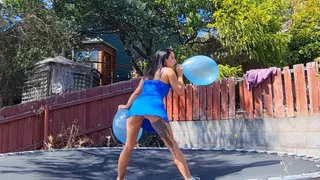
(46, 123)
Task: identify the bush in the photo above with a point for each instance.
(226, 71)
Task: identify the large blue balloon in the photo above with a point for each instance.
(200, 70)
(119, 126)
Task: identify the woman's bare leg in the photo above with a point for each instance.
(164, 131)
(133, 126)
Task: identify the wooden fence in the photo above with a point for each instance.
(288, 93)
(27, 126)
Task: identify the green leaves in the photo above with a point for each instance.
(35, 35)
(305, 32)
(226, 71)
(253, 28)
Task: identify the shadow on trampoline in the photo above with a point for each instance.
(145, 164)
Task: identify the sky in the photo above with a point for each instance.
(48, 3)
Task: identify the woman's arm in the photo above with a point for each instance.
(134, 95)
(176, 83)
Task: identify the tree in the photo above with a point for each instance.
(142, 25)
(251, 30)
(305, 31)
(30, 33)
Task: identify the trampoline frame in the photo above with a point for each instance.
(312, 158)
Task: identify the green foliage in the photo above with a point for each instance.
(207, 45)
(30, 33)
(143, 65)
(189, 15)
(253, 28)
(211, 49)
(240, 32)
(140, 24)
(305, 32)
(183, 52)
(226, 71)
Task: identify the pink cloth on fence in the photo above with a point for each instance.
(254, 77)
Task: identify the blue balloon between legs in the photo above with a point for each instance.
(119, 126)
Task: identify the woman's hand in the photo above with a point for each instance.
(179, 70)
(176, 79)
(122, 106)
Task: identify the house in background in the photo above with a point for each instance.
(101, 56)
(108, 56)
(123, 66)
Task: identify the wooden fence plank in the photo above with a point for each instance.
(257, 98)
(107, 104)
(82, 113)
(318, 80)
(289, 93)
(182, 107)
(189, 101)
(56, 123)
(216, 100)
(100, 119)
(203, 102)
(13, 136)
(241, 95)
(1, 138)
(170, 105)
(175, 106)
(113, 100)
(210, 102)
(313, 88)
(72, 115)
(5, 137)
(196, 103)
(300, 89)
(61, 118)
(224, 99)
(278, 94)
(232, 98)
(165, 102)
(267, 96)
(38, 130)
(28, 129)
(21, 133)
(106, 112)
(248, 101)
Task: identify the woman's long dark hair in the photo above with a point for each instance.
(158, 63)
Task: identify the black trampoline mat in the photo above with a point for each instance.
(150, 164)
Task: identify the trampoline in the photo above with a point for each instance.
(156, 164)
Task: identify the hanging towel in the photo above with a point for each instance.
(254, 77)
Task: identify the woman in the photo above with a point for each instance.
(146, 109)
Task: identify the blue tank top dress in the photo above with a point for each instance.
(150, 102)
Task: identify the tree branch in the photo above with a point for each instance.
(134, 64)
(193, 36)
(142, 54)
